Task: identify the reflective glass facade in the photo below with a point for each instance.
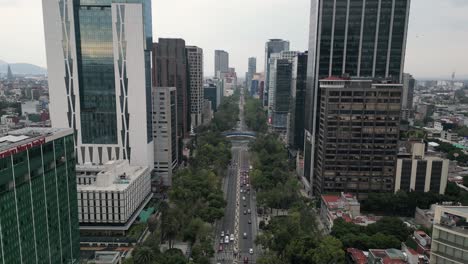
(96, 72)
(93, 25)
(38, 205)
(361, 38)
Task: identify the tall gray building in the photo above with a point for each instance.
(170, 70)
(252, 70)
(295, 132)
(195, 69)
(282, 93)
(99, 73)
(357, 140)
(272, 46)
(221, 62)
(165, 134)
(359, 39)
(407, 97)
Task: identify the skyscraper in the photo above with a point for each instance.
(170, 70)
(272, 46)
(166, 144)
(359, 39)
(297, 102)
(289, 56)
(252, 70)
(221, 62)
(195, 69)
(282, 94)
(9, 73)
(99, 59)
(39, 212)
(357, 142)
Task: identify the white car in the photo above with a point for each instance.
(243, 198)
(226, 240)
(232, 237)
(222, 233)
(251, 251)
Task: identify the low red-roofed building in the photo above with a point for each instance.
(355, 256)
(343, 206)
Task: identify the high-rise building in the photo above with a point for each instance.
(450, 235)
(99, 73)
(416, 171)
(407, 97)
(170, 69)
(250, 73)
(38, 216)
(195, 69)
(212, 93)
(221, 62)
(357, 139)
(166, 144)
(9, 73)
(272, 46)
(281, 74)
(363, 39)
(297, 102)
(289, 56)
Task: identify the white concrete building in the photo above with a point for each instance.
(195, 69)
(450, 235)
(419, 172)
(30, 107)
(111, 196)
(99, 77)
(165, 133)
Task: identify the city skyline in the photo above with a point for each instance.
(433, 24)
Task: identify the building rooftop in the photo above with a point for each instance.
(357, 255)
(115, 175)
(22, 139)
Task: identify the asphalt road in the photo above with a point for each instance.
(234, 218)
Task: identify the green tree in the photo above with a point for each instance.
(330, 250)
(143, 255)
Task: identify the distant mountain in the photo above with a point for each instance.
(22, 68)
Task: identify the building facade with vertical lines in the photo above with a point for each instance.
(99, 73)
(195, 70)
(170, 69)
(358, 39)
(38, 201)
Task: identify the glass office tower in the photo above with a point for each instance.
(99, 67)
(358, 39)
(39, 210)
(271, 47)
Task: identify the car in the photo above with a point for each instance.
(245, 235)
(248, 211)
(222, 233)
(220, 248)
(245, 205)
(246, 260)
(243, 198)
(242, 190)
(232, 237)
(251, 251)
(245, 212)
(226, 239)
(227, 232)
(250, 222)
(221, 241)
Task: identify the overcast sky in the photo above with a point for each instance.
(437, 38)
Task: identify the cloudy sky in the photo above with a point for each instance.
(437, 38)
